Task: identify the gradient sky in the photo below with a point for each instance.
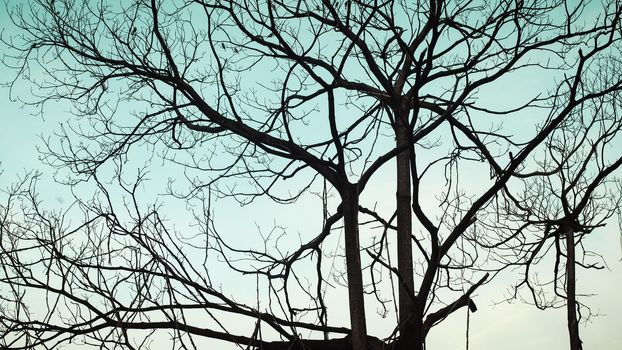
(494, 326)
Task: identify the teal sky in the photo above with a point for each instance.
(496, 325)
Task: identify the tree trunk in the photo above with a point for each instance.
(413, 337)
(571, 304)
(404, 234)
(350, 198)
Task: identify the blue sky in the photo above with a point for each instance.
(495, 325)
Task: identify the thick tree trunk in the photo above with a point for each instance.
(404, 235)
(350, 198)
(413, 337)
(571, 304)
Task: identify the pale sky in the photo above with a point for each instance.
(496, 324)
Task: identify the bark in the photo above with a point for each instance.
(413, 336)
(571, 304)
(350, 198)
(408, 324)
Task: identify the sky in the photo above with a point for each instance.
(496, 324)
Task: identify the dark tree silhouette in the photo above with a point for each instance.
(278, 99)
(567, 194)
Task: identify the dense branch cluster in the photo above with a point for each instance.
(332, 104)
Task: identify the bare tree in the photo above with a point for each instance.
(248, 97)
(569, 192)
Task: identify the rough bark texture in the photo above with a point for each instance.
(350, 198)
(571, 305)
(404, 234)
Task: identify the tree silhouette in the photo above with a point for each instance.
(276, 100)
(566, 196)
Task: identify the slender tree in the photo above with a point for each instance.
(568, 194)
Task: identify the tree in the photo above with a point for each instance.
(568, 194)
(352, 87)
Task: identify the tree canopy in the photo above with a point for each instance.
(433, 144)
